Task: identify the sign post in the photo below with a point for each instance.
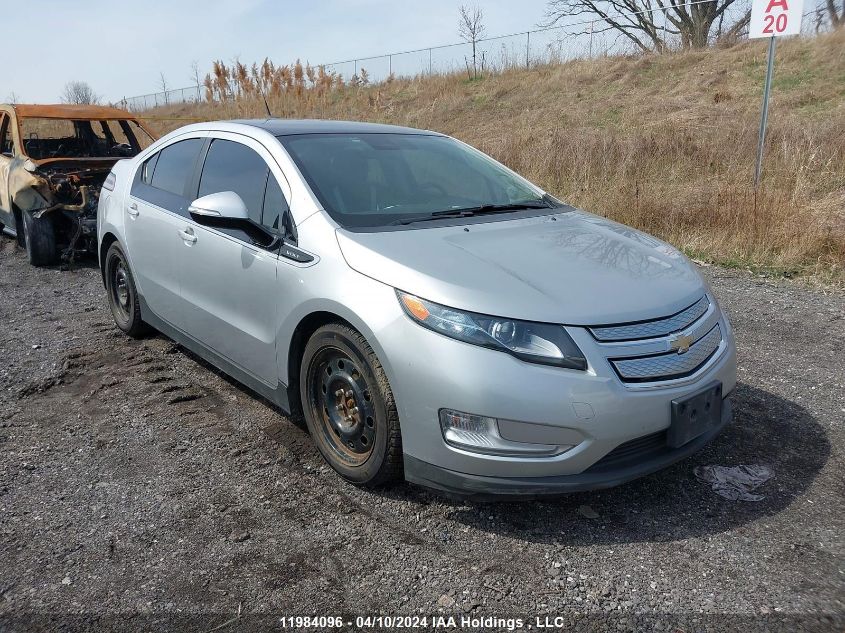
(771, 19)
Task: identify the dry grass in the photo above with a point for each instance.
(663, 143)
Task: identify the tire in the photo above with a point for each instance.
(40, 240)
(349, 408)
(122, 293)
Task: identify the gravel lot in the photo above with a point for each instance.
(138, 487)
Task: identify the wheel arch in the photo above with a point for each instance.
(303, 331)
(108, 239)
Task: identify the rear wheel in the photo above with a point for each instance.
(122, 294)
(40, 239)
(349, 407)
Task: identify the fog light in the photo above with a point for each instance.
(480, 434)
(466, 430)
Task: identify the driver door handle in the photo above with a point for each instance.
(133, 209)
(188, 235)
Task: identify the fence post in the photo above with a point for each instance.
(389, 65)
(355, 66)
(591, 39)
(528, 50)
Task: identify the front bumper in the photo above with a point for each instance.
(593, 411)
(481, 487)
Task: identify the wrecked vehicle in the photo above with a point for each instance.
(53, 161)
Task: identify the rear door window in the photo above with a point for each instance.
(175, 166)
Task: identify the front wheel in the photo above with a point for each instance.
(349, 407)
(40, 239)
(122, 294)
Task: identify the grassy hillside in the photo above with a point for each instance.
(663, 143)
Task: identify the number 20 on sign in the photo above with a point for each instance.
(772, 18)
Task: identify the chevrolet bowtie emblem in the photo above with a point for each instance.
(681, 343)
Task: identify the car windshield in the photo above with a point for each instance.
(71, 138)
(375, 180)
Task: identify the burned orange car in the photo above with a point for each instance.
(53, 161)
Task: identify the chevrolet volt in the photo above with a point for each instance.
(431, 314)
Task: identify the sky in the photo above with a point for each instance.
(120, 48)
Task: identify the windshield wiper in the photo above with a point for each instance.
(468, 212)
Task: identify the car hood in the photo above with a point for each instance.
(573, 268)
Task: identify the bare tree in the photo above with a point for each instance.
(13, 97)
(80, 93)
(195, 76)
(162, 83)
(836, 15)
(471, 29)
(646, 23)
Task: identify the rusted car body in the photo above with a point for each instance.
(54, 160)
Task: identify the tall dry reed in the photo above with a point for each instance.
(664, 143)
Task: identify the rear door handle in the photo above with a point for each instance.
(133, 209)
(188, 235)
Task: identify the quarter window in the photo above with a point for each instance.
(175, 165)
(230, 166)
(148, 169)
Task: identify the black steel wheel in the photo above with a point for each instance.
(122, 294)
(348, 406)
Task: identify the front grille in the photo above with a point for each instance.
(634, 451)
(652, 329)
(672, 364)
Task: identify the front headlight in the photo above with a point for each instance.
(544, 343)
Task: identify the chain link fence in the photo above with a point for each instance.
(492, 55)
(584, 39)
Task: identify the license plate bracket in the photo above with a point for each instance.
(694, 415)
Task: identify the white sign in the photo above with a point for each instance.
(773, 18)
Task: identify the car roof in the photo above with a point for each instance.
(66, 111)
(288, 127)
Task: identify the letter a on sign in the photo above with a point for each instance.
(773, 18)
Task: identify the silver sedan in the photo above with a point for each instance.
(431, 314)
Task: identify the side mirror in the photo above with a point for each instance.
(225, 207)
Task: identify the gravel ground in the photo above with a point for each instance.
(140, 488)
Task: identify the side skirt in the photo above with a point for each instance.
(277, 395)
